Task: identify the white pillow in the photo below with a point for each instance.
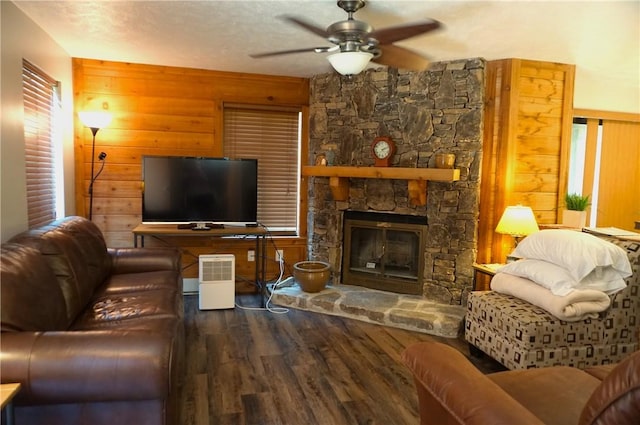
(610, 285)
(555, 278)
(558, 280)
(578, 252)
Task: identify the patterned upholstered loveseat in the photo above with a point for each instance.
(521, 335)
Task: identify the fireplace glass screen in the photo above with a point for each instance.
(384, 255)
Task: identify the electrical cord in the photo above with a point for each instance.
(274, 286)
(267, 307)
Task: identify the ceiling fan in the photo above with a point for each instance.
(356, 42)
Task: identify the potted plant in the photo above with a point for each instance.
(575, 214)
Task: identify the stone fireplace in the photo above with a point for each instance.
(384, 251)
(426, 113)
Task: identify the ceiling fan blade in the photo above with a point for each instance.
(392, 34)
(307, 25)
(287, 52)
(399, 57)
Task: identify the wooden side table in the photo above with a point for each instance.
(484, 270)
(7, 392)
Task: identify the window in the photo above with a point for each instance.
(578, 160)
(604, 165)
(272, 136)
(41, 109)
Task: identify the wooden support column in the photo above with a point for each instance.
(417, 192)
(339, 188)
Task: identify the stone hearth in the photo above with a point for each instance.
(411, 312)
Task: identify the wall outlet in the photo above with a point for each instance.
(279, 254)
(251, 255)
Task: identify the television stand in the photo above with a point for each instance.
(165, 233)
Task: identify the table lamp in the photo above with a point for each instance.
(517, 221)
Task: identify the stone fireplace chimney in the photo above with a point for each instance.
(435, 111)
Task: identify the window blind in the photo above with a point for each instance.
(40, 102)
(270, 135)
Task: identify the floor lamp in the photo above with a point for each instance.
(95, 120)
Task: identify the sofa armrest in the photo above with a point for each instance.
(59, 367)
(451, 390)
(137, 260)
(617, 399)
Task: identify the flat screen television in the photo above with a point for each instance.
(199, 190)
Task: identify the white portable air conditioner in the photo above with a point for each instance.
(217, 281)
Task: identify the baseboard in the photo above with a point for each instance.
(190, 285)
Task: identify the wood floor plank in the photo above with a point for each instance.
(288, 396)
(366, 369)
(259, 408)
(299, 368)
(319, 395)
(201, 397)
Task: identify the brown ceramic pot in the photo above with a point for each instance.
(312, 276)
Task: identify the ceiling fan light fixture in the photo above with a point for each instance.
(349, 63)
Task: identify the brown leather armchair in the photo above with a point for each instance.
(452, 391)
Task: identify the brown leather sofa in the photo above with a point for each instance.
(452, 391)
(93, 335)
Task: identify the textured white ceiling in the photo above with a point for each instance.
(601, 38)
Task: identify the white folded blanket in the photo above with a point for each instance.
(579, 304)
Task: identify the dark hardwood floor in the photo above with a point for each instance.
(298, 368)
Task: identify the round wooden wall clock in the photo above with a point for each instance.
(382, 149)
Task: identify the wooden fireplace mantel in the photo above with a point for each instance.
(416, 178)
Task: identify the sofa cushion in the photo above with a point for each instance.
(617, 399)
(122, 311)
(555, 398)
(90, 241)
(76, 252)
(601, 371)
(31, 299)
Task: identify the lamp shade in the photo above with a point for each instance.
(349, 63)
(517, 221)
(95, 119)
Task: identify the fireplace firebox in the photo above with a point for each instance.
(384, 251)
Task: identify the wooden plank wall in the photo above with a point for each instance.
(526, 142)
(160, 110)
